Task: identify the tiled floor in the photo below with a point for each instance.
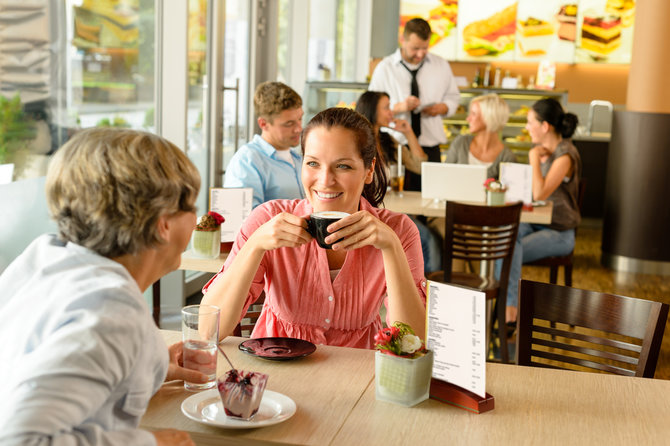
(589, 274)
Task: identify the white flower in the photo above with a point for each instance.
(410, 343)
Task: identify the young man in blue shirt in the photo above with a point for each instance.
(270, 163)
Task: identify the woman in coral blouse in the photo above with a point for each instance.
(327, 296)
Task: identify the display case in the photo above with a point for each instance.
(519, 101)
(321, 95)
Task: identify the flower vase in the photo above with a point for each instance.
(206, 244)
(495, 198)
(403, 381)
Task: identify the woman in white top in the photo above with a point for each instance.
(82, 355)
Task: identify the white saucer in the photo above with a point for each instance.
(206, 407)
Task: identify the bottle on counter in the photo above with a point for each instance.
(531, 83)
(496, 79)
(487, 76)
(477, 79)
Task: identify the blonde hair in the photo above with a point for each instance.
(272, 98)
(106, 189)
(494, 110)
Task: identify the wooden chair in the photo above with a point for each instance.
(603, 327)
(565, 261)
(485, 234)
(248, 322)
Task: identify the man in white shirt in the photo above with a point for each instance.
(270, 163)
(421, 87)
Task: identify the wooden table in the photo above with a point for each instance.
(412, 203)
(192, 263)
(325, 387)
(335, 395)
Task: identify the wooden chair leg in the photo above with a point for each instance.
(567, 270)
(156, 294)
(553, 275)
(502, 331)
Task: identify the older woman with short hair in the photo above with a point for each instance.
(487, 116)
(82, 355)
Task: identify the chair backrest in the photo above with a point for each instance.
(248, 322)
(593, 331)
(480, 233)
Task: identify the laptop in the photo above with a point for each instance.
(455, 182)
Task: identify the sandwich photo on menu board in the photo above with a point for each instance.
(605, 33)
(442, 15)
(488, 29)
(538, 31)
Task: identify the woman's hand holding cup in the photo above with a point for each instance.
(359, 230)
(283, 230)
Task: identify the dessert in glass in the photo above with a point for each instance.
(241, 392)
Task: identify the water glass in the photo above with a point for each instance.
(200, 333)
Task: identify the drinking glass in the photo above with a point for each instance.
(200, 333)
(397, 178)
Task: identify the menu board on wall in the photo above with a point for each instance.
(564, 31)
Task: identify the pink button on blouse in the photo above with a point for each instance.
(302, 302)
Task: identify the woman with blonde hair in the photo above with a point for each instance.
(82, 355)
(487, 116)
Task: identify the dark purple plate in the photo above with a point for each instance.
(277, 349)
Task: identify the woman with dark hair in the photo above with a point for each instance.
(326, 296)
(374, 105)
(557, 170)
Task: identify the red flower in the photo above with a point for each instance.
(488, 182)
(217, 217)
(383, 337)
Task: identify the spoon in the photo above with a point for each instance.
(225, 356)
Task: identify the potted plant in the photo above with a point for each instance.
(403, 366)
(206, 242)
(16, 131)
(495, 192)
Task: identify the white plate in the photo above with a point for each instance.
(206, 407)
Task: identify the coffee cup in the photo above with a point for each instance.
(319, 221)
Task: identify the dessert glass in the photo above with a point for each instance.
(241, 392)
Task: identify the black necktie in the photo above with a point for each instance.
(414, 91)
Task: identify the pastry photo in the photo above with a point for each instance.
(601, 34)
(567, 22)
(534, 36)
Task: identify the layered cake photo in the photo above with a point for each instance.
(624, 9)
(601, 34)
(567, 22)
(535, 36)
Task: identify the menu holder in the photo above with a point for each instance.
(234, 204)
(456, 333)
(518, 178)
(445, 392)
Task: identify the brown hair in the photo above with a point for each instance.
(272, 98)
(107, 187)
(419, 27)
(366, 142)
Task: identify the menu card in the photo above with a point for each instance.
(456, 333)
(234, 204)
(519, 181)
